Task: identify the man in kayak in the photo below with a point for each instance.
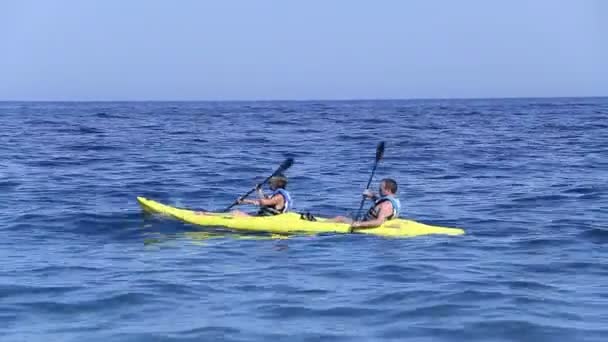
(386, 207)
(278, 202)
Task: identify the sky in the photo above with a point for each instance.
(301, 50)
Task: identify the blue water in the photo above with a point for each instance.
(526, 178)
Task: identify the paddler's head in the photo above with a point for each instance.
(278, 182)
(388, 187)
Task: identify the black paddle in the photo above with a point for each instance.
(379, 155)
(286, 165)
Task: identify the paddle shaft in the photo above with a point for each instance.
(379, 156)
(369, 182)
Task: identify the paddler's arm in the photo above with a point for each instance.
(264, 201)
(385, 211)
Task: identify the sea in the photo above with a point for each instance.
(525, 178)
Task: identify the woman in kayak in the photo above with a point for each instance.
(386, 207)
(278, 202)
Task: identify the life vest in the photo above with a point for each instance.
(373, 211)
(269, 211)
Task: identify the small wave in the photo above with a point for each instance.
(55, 269)
(41, 122)
(432, 310)
(412, 144)
(92, 147)
(80, 130)
(495, 177)
(546, 242)
(110, 116)
(18, 290)
(375, 121)
(115, 301)
(543, 105)
(473, 295)
(475, 166)
(408, 110)
(596, 125)
(579, 266)
(397, 296)
(512, 328)
(9, 184)
(308, 131)
(527, 285)
(580, 190)
(595, 235)
(447, 177)
(540, 198)
(292, 311)
(149, 126)
(214, 330)
(591, 196)
(349, 137)
(312, 292)
(255, 141)
(7, 319)
(284, 122)
(393, 269)
(58, 161)
(174, 288)
(187, 152)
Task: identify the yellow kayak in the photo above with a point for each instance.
(292, 223)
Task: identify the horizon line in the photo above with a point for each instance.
(326, 99)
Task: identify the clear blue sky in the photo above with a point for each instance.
(313, 49)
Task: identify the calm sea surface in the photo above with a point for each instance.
(526, 178)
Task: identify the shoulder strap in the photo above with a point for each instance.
(286, 196)
(394, 201)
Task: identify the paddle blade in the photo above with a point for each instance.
(286, 165)
(380, 151)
